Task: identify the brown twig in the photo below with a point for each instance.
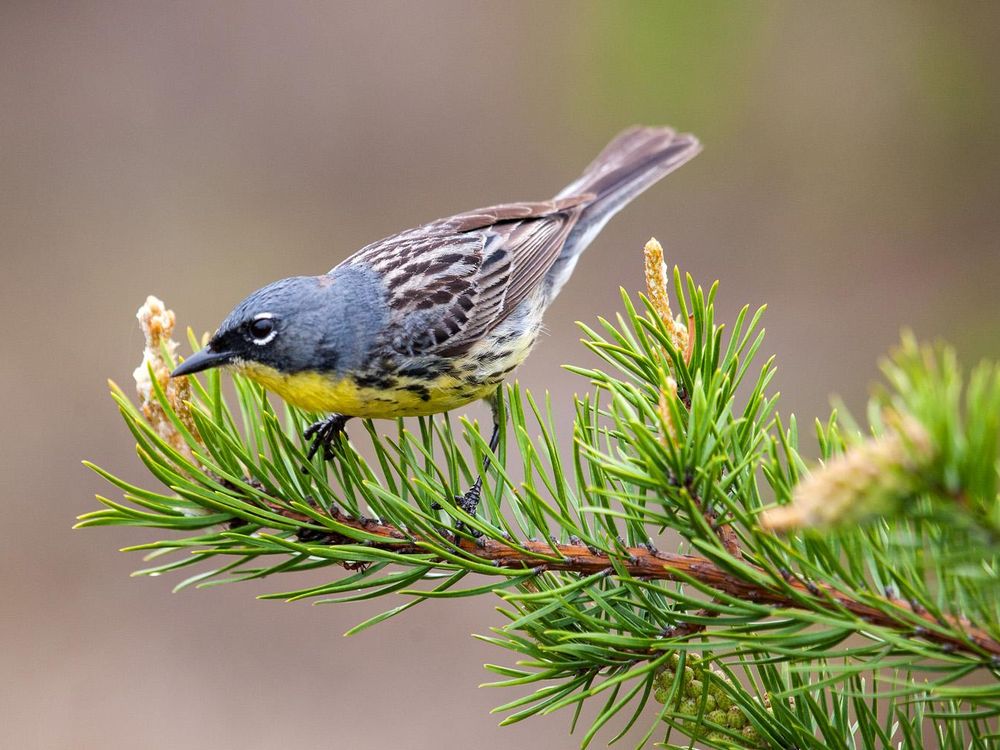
(641, 562)
(731, 543)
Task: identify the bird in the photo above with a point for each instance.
(435, 317)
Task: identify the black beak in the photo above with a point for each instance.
(203, 360)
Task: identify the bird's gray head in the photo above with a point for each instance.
(296, 324)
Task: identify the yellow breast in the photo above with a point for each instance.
(315, 391)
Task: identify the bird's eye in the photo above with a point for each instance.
(262, 329)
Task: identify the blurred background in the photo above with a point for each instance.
(850, 179)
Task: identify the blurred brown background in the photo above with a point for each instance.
(850, 179)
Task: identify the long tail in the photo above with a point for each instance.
(635, 160)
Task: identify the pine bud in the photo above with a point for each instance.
(667, 394)
(872, 477)
(656, 288)
(157, 323)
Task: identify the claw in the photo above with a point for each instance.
(469, 502)
(324, 434)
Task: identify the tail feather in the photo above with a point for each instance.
(634, 160)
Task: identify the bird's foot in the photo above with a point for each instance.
(324, 434)
(469, 502)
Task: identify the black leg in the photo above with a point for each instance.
(469, 502)
(324, 434)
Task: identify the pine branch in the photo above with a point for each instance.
(644, 563)
(907, 507)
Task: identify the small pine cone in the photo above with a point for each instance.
(688, 707)
(693, 688)
(752, 736)
(735, 718)
(717, 717)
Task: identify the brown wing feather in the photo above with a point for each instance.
(449, 282)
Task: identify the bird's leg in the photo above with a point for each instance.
(323, 434)
(469, 502)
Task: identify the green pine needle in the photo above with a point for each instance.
(661, 449)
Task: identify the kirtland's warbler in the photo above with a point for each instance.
(434, 317)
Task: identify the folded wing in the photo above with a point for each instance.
(449, 282)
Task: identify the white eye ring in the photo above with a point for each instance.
(268, 337)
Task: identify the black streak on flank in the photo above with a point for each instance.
(383, 382)
(420, 390)
(423, 372)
